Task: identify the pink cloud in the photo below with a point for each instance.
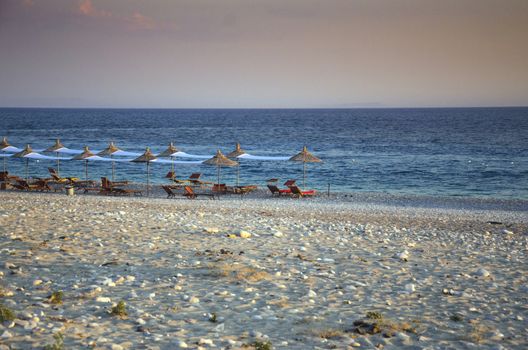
(143, 22)
(135, 21)
(88, 9)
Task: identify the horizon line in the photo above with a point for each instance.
(267, 108)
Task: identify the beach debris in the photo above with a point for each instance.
(56, 297)
(410, 288)
(119, 309)
(58, 342)
(6, 314)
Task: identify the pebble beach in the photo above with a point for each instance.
(365, 271)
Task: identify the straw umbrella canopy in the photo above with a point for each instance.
(109, 151)
(86, 155)
(235, 154)
(146, 157)
(55, 149)
(219, 160)
(24, 154)
(305, 157)
(168, 152)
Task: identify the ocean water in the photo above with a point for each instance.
(448, 152)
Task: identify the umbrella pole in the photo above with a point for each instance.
(238, 175)
(218, 175)
(86, 170)
(148, 178)
(5, 164)
(27, 169)
(113, 169)
(304, 175)
(58, 164)
(172, 168)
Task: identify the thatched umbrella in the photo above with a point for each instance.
(86, 155)
(305, 157)
(219, 160)
(24, 154)
(169, 151)
(235, 154)
(109, 151)
(146, 157)
(6, 147)
(55, 149)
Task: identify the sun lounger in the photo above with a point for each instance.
(169, 191)
(219, 188)
(40, 185)
(61, 180)
(194, 179)
(277, 191)
(112, 188)
(190, 194)
(296, 192)
(243, 190)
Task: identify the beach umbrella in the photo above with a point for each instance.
(56, 148)
(235, 154)
(146, 157)
(85, 155)
(6, 147)
(168, 152)
(24, 154)
(219, 160)
(110, 151)
(305, 157)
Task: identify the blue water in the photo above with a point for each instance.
(453, 152)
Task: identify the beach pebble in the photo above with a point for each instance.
(6, 335)
(211, 230)
(180, 344)
(194, 300)
(312, 294)
(37, 282)
(105, 300)
(116, 347)
(410, 288)
(482, 272)
(204, 341)
(507, 232)
(243, 234)
(403, 256)
(278, 234)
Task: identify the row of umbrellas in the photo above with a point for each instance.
(219, 159)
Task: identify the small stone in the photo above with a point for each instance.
(312, 294)
(181, 344)
(243, 234)
(116, 347)
(6, 335)
(211, 230)
(507, 232)
(194, 300)
(403, 256)
(37, 282)
(103, 300)
(204, 341)
(482, 273)
(410, 288)
(140, 321)
(278, 234)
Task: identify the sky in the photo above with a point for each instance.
(263, 53)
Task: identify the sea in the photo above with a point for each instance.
(470, 152)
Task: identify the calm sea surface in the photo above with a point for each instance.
(453, 152)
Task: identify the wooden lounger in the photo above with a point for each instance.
(277, 191)
(296, 192)
(190, 194)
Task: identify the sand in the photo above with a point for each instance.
(364, 271)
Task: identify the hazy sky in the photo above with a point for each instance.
(263, 53)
